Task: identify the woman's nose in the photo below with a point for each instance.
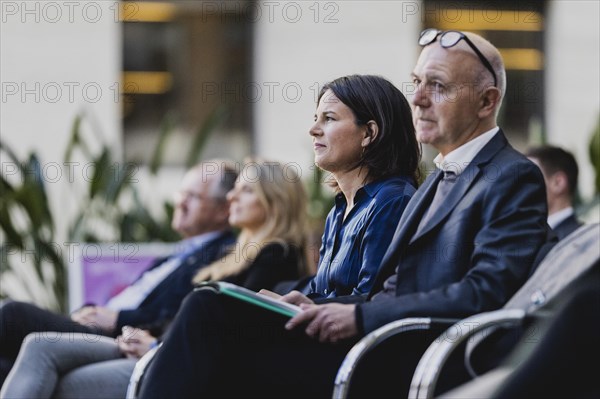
(315, 130)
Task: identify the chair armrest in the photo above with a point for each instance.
(429, 367)
(138, 372)
(370, 341)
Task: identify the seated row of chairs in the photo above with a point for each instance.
(552, 318)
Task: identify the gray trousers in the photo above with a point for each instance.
(68, 365)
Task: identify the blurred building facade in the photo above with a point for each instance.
(130, 66)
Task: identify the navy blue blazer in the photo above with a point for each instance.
(161, 305)
(475, 252)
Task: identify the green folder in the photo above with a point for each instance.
(244, 294)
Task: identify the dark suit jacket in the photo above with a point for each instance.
(475, 252)
(162, 303)
(566, 227)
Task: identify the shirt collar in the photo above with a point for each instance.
(191, 243)
(371, 189)
(457, 160)
(558, 217)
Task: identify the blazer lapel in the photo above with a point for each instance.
(418, 206)
(462, 184)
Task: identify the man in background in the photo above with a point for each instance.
(201, 217)
(560, 175)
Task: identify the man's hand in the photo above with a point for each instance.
(134, 343)
(82, 315)
(330, 322)
(98, 316)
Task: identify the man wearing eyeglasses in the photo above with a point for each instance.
(200, 216)
(464, 245)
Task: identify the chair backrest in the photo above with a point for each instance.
(566, 334)
(569, 258)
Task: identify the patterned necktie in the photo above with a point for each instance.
(444, 183)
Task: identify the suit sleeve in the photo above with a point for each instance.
(152, 317)
(512, 215)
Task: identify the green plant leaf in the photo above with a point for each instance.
(119, 178)
(594, 152)
(12, 156)
(49, 252)
(169, 209)
(7, 188)
(9, 199)
(37, 257)
(4, 261)
(126, 227)
(134, 222)
(102, 173)
(38, 181)
(166, 128)
(76, 229)
(90, 237)
(218, 116)
(13, 237)
(31, 196)
(36, 238)
(74, 139)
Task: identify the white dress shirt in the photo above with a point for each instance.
(457, 160)
(558, 217)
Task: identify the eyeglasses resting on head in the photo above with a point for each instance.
(449, 39)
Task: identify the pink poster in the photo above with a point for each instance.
(100, 271)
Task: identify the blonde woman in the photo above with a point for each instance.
(267, 205)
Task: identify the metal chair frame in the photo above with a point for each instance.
(585, 242)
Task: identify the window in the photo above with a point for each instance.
(184, 63)
(516, 29)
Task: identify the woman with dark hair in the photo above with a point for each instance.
(363, 135)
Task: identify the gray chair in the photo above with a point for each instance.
(569, 258)
(552, 359)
